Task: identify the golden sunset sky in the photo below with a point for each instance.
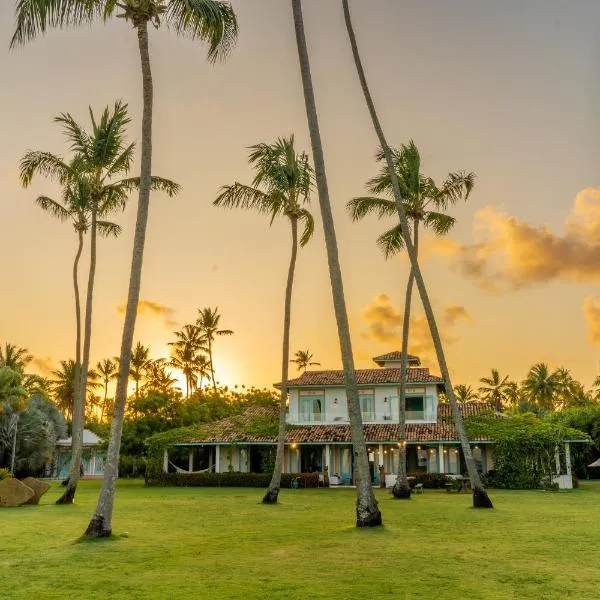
(509, 90)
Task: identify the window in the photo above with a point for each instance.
(311, 406)
(366, 399)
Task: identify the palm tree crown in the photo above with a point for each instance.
(465, 393)
(14, 357)
(494, 389)
(303, 360)
(208, 324)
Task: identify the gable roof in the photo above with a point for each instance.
(364, 377)
(396, 356)
(235, 429)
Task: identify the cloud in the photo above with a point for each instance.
(385, 325)
(152, 308)
(510, 254)
(43, 365)
(591, 312)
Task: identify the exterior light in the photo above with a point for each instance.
(335, 400)
(445, 451)
(385, 400)
(418, 447)
(293, 445)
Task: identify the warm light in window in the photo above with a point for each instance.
(293, 445)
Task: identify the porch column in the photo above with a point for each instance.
(191, 460)
(93, 463)
(380, 455)
(441, 458)
(217, 459)
(166, 461)
(327, 457)
(557, 460)
(568, 457)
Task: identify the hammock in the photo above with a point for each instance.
(190, 472)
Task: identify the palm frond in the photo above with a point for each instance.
(157, 184)
(46, 164)
(439, 223)
(458, 186)
(366, 205)
(210, 21)
(55, 208)
(81, 141)
(391, 242)
(307, 220)
(239, 195)
(108, 229)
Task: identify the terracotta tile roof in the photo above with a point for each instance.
(228, 430)
(396, 355)
(363, 377)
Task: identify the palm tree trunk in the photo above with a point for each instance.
(81, 382)
(105, 397)
(272, 492)
(401, 488)
(480, 497)
(101, 522)
(212, 370)
(367, 511)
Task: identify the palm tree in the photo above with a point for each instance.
(281, 186)
(211, 21)
(208, 324)
(14, 357)
(367, 511)
(62, 383)
(480, 496)
(423, 203)
(186, 356)
(101, 156)
(494, 389)
(107, 370)
(542, 387)
(303, 360)
(158, 379)
(138, 365)
(465, 393)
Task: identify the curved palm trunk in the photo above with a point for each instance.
(480, 497)
(81, 380)
(212, 370)
(104, 402)
(401, 488)
(367, 511)
(101, 523)
(272, 492)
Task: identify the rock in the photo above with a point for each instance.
(39, 489)
(14, 493)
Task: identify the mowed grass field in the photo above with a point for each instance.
(212, 543)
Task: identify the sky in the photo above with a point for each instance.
(507, 90)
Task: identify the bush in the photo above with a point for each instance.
(432, 481)
(231, 479)
(132, 466)
(5, 474)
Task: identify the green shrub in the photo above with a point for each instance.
(432, 481)
(5, 474)
(132, 466)
(231, 479)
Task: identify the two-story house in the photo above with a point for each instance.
(319, 433)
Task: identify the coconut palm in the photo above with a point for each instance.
(107, 369)
(14, 357)
(367, 511)
(138, 365)
(281, 187)
(208, 324)
(494, 389)
(541, 386)
(424, 203)
(158, 378)
(465, 393)
(480, 496)
(187, 358)
(211, 21)
(303, 360)
(62, 382)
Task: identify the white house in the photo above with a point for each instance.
(92, 456)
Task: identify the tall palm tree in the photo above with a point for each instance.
(303, 360)
(208, 324)
(14, 357)
(480, 496)
(281, 187)
(158, 378)
(494, 389)
(542, 387)
(62, 382)
(367, 511)
(186, 355)
(107, 369)
(424, 203)
(101, 157)
(211, 21)
(465, 393)
(138, 365)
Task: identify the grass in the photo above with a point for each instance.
(212, 543)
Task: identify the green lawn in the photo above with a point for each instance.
(221, 543)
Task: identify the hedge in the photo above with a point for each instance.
(231, 479)
(432, 481)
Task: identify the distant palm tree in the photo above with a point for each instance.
(211, 21)
(494, 389)
(465, 393)
(139, 364)
(281, 187)
(303, 360)
(424, 203)
(512, 393)
(480, 496)
(541, 387)
(61, 383)
(186, 355)
(14, 357)
(158, 378)
(367, 510)
(107, 369)
(208, 324)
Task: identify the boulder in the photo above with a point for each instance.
(14, 493)
(39, 489)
